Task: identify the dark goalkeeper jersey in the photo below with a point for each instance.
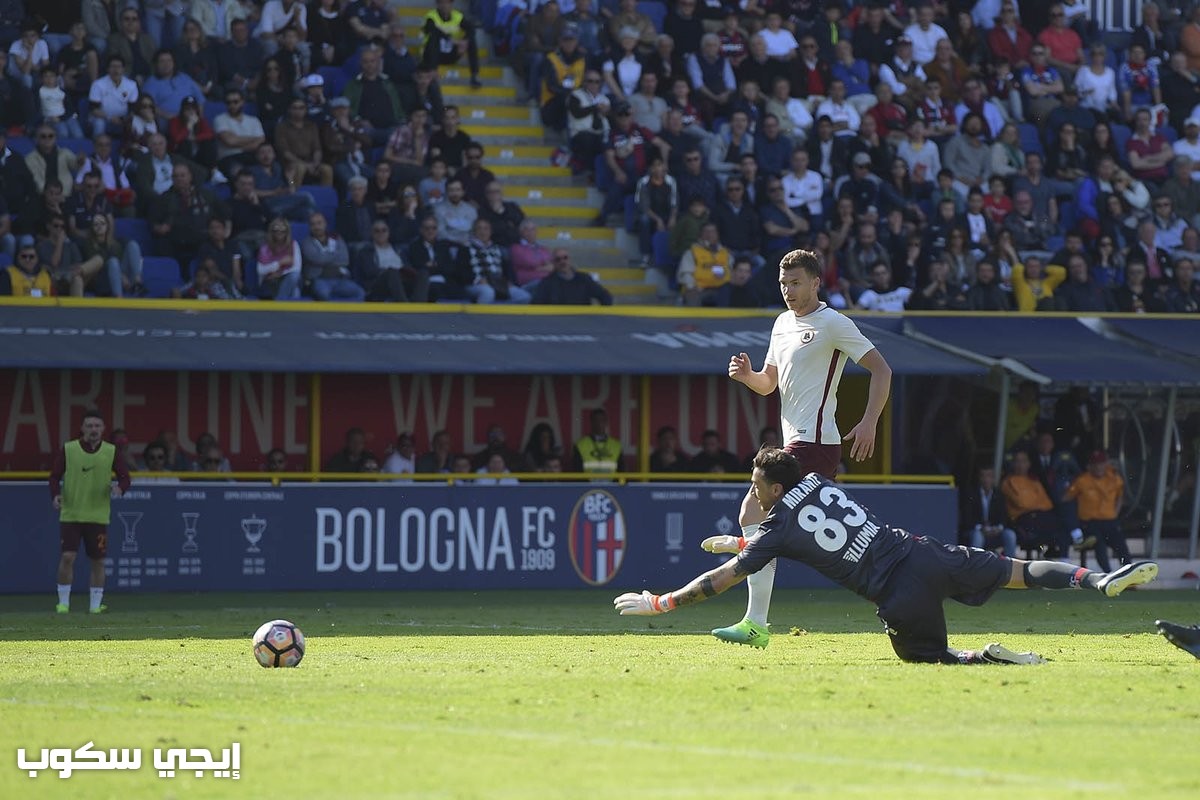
(817, 524)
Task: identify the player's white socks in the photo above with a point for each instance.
(64, 594)
(760, 585)
(97, 596)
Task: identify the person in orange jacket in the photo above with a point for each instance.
(1099, 492)
(1031, 512)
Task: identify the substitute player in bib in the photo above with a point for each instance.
(812, 520)
(810, 344)
(81, 490)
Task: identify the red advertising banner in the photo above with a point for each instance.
(467, 405)
(250, 413)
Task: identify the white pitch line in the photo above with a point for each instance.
(401, 624)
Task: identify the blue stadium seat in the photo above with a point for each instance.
(656, 11)
(324, 198)
(1168, 132)
(78, 146)
(21, 145)
(1117, 41)
(335, 80)
(353, 65)
(136, 229)
(1030, 143)
(660, 243)
(250, 108)
(299, 231)
(250, 277)
(1068, 214)
(487, 13)
(1121, 134)
(604, 176)
(213, 109)
(5, 260)
(160, 275)
(221, 190)
(1111, 60)
(630, 214)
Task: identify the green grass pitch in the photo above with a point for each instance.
(531, 695)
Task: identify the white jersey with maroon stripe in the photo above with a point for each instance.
(809, 352)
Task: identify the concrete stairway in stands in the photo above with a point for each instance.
(519, 152)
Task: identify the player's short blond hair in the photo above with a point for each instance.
(806, 260)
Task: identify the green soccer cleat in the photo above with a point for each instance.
(62, 608)
(1134, 574)
(98, 610)
(745, 632)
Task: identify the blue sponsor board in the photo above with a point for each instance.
(237, 537)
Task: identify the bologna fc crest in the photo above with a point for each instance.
(597, 537)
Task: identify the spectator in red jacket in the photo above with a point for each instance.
(190, 135)
(1008, 40)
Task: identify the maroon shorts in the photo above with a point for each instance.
(93, 535)
(822, 459)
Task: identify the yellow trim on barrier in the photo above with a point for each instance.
(286, 307)
(644, 426)
(666, 312)
(620, 478)
(314, 422)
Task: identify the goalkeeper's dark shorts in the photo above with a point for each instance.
(910, 606)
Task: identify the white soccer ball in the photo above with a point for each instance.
(278, 643)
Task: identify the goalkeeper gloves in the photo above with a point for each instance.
(643, 604)
(723, 544)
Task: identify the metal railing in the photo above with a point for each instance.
(619, 478)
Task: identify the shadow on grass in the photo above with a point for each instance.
(578, 613)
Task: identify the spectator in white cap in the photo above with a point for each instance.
(1189, 144)
(313, 87)
(902, 72)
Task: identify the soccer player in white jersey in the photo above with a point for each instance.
(810, 344)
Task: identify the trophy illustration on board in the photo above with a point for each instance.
(190, 518)
(129, 521)
(253, 527)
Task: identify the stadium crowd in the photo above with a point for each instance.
(943, 155)
(224, 148)
(952, 154)
(597, 452)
